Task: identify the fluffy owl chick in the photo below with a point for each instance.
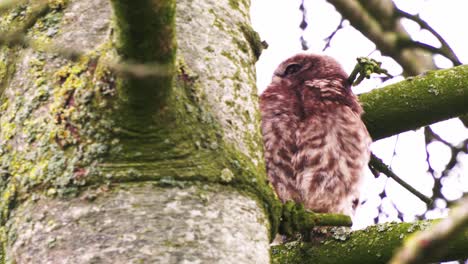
(316, 146)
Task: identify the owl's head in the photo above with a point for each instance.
(306, 67)
(316, 78)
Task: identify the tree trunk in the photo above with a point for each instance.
(140, 141)
(115, 161)
(141, 223)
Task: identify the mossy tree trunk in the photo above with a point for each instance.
(146, 148)
(103, 163)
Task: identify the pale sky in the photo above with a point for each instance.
(277, 22)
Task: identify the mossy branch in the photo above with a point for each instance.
(145, 35)
(375, 244)
(415, 102)
(295, 218)
(145, 30)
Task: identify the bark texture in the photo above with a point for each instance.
(416, 101)
(219, 47)
(76, 136)
(141, 223)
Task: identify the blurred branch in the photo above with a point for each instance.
(330, 37)
(378, 165)
(405, 43)
(303, 25)
(430, 136)
(431, 244)
(123, 69)
(5, 4)
(38, 9)
(377, 21)
(445, 49)
(375, 244)
(437, 186)
(145, 34)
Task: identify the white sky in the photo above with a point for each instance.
(277, 22)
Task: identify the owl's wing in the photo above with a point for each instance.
(278, 128)
(333, 150)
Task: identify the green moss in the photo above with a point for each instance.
(242, 46)
(209, 49)
(375, 244)
(253, 39)
(74, 131)
(416, 102)
(234, 4)
(55, 122)
(228, 55)
(145, 30)
(218, 21)
(3, 244)
(8, 201)
(7, 66)
(3, 70)
(230, 103)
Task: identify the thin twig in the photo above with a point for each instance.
(441, 51)
(378, 165)
(431, 136)
(445, 47)
(330, 37)
(121, 68)
(303, 26)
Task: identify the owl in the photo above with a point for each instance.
(316, 145)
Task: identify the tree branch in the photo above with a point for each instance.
(376, 21)
(330, 37)
(377, 164)
(416, 102)
(145, 35)
(445, 49)
(374, 244)
(432, 244)
(295, 218)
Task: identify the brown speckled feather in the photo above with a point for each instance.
(316, 146)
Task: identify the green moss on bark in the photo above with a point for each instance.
(51, 134)
(75, 124)
(415, 102)
(374, 244)
(145, 30)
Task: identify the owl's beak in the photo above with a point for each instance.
(276, 79)
(279, 73)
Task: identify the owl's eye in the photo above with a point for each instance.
(292, 68)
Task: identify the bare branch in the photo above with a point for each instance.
(378, 165)
(445, 49)
(330, 37)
